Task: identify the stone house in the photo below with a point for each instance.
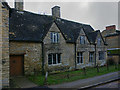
(112, 38)
(49, 43)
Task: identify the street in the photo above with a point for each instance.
(114, 84)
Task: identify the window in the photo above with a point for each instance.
(99, 41)
(82, 39)
(91, 56)
(54, 59)
(54, 37)
(101, 55)
(79, 57)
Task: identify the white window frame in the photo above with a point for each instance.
(99, 41)
(54, 37)
(53, 58)
(80, 56)
(91, 56)
(82, 39)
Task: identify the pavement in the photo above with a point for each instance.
(23, 82)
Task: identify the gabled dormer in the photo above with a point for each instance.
(82, 38)
(54, 35)
(99, 39)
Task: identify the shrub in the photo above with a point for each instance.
(110, 61)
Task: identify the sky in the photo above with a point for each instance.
(97, 14)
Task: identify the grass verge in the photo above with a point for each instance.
(71, 75)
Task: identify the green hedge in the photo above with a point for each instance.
(114, 51)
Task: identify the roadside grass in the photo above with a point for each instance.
(69, 76)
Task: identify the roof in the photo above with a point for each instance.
(5, 4)
(113, 34)
(27, 26)
(69, 29)
(93, 36)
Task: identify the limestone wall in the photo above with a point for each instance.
(32, 55)
(66, 50)
(113, 42)
(0, 45)
(4, 45)
(86, 49)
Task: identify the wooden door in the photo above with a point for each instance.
(16, 65)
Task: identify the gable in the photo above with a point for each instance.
(82, 33)
(99, 37)
(53, 28)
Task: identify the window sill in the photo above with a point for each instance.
(55, 64)
(80, 63)
(55, 43)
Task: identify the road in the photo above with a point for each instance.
(115, 84)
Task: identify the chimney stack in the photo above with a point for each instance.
(56, 11)
(19, 4)
(112, 27)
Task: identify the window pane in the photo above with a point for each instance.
(77, 53)
(54, 37)
(101, 55)
(59, 58)
(78, 60)
(49, 59)
(99, 41)
(91, 54)
(54, 58)
(82, 39)
(81, 55)
(57, 37)
(81, 60)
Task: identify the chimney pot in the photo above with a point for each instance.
(112, 27)
(56, 11)
(19, 4)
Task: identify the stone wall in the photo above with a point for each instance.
(119, 41)
(103, 48)
(4, 45)
(86, 48)
(32, 55)
(66, 50)
(113, 41)
(107, 32)
(0, 45)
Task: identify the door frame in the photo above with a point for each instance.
(23, 73)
